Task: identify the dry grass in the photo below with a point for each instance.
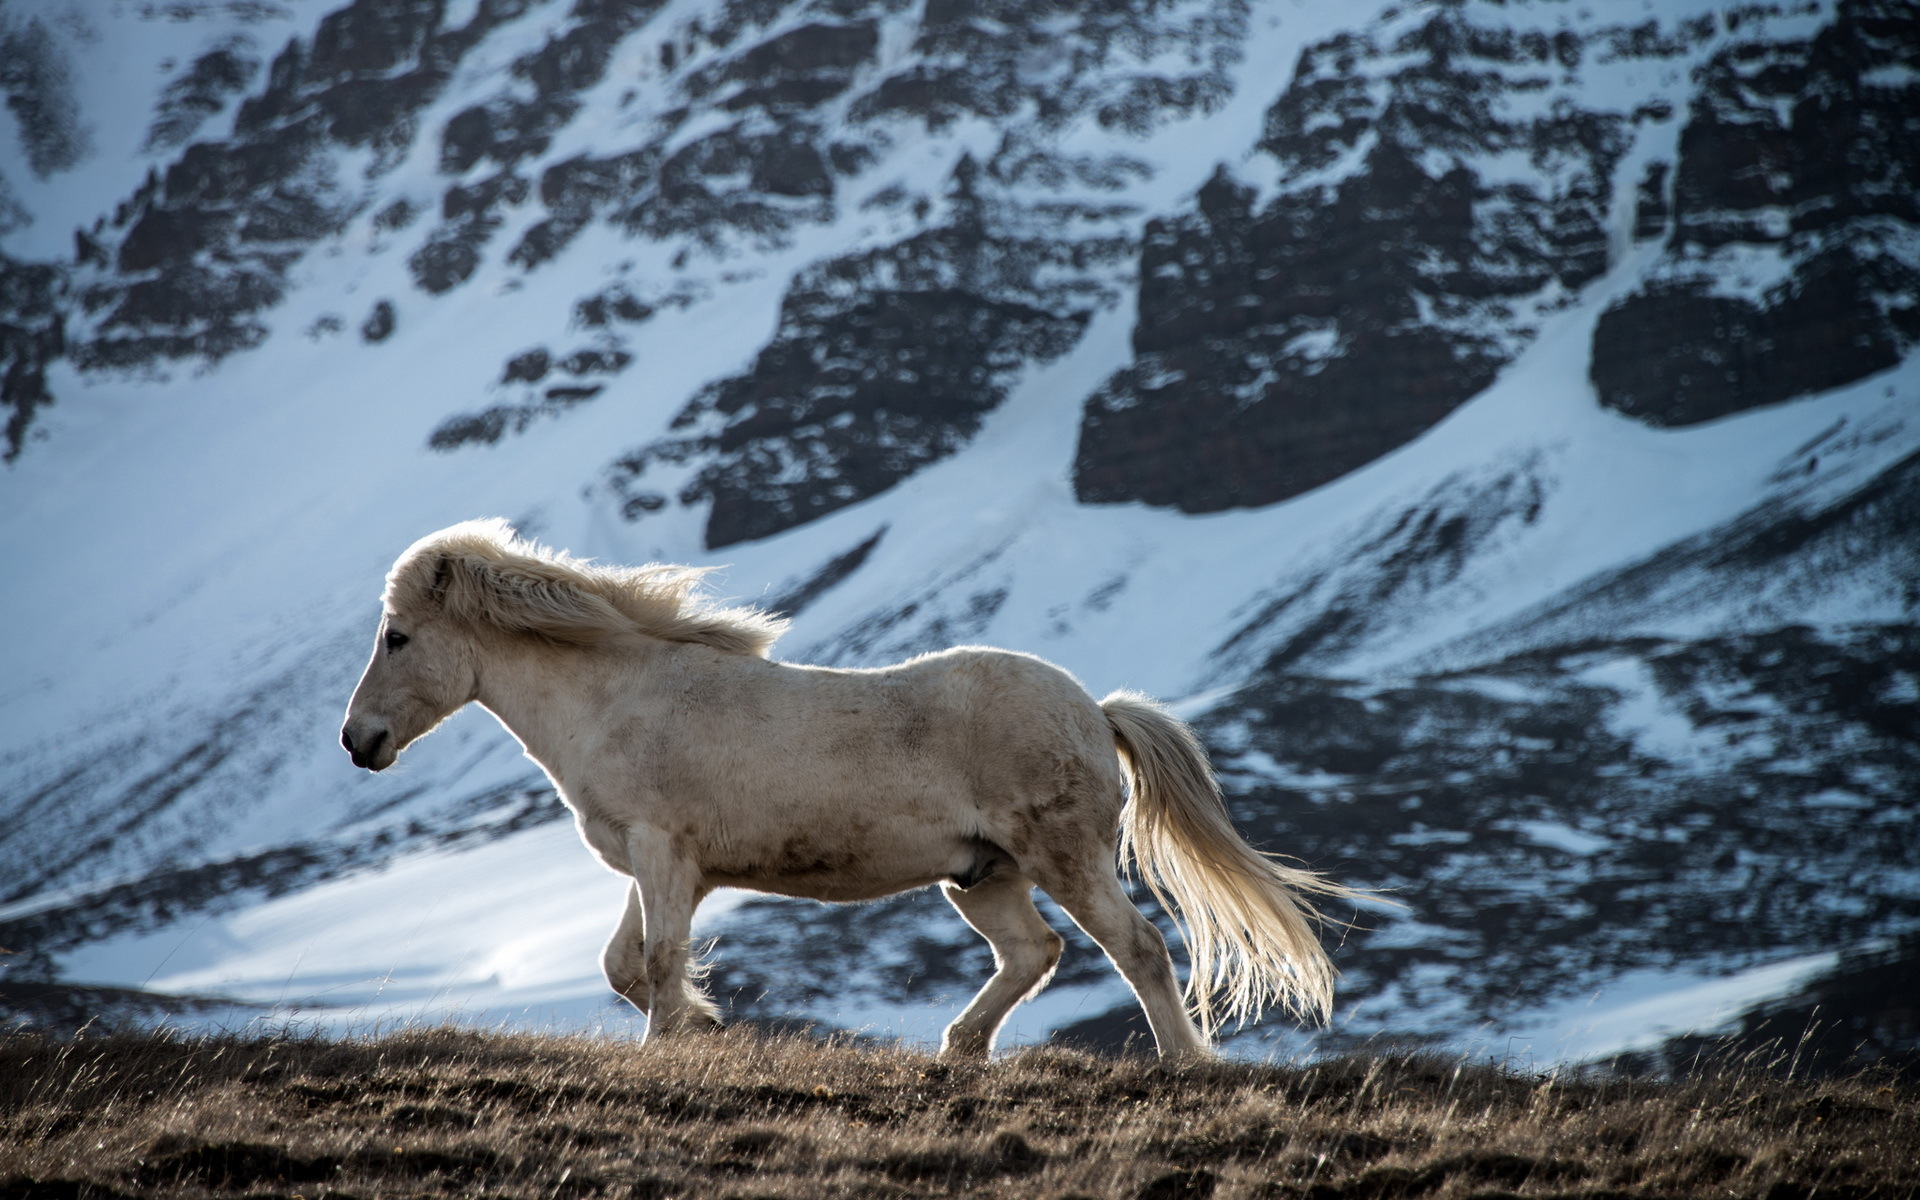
(741, 1114)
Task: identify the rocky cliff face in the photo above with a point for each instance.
(886, 361)
(1440, 183)
(1792, 239)
(189, 265)
(1424, 191)
(736, 130)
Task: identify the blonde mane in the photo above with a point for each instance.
(481, 571)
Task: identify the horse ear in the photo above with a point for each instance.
(442, 571)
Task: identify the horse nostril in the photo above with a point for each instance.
(365, 747)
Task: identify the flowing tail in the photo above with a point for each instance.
(1250, 933)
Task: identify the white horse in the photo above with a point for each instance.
(692, 762)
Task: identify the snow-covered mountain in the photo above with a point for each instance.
(1493, 423)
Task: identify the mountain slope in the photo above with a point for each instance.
(1358, 378)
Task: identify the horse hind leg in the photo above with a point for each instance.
(1091, 894)
(1025, 951)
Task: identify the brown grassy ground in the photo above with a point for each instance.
(741, 1114)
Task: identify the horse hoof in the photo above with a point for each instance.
(964, 1049)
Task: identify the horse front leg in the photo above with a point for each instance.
(668, 886)
(625, 958)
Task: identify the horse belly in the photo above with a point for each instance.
(822, 865)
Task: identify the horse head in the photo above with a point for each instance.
(423, 670)
(472, 589)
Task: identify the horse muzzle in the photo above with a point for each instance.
(369, 744)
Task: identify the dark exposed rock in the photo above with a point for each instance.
(530, 367)
(38, 83)
(884, 362)
(1677, 354)
(579, 189)
(1519, 808)
(522, 121)
(766, 173)
(201, 91)
(1804, 153)
(796, 596)
(519, 123)
(471, 214)
(996, 59)
(761, 181)
(326, 325)
(614, 304)
(596, 361)
(523, 375)
(201, 253)
(397, 215)
(801, 68)
(378, 326)
(206, 248)
(189, 311)
(774, 168)
(32, 335)
(1652, 210)
(1280, 347)
(948, 357)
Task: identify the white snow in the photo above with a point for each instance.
(1641, 1008)
(1562, 836)
(509, 932)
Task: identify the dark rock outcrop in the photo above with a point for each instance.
(32, 335)
(202, 90)
(542, 387)
(1403, 262)
(1793, 263)
(202, 251)
(1130, 67)
(380, 322)
(37, 80)
(887, 360)
(884, 362)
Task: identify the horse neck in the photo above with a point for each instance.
(548, 694)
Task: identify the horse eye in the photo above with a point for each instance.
(395, 640)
